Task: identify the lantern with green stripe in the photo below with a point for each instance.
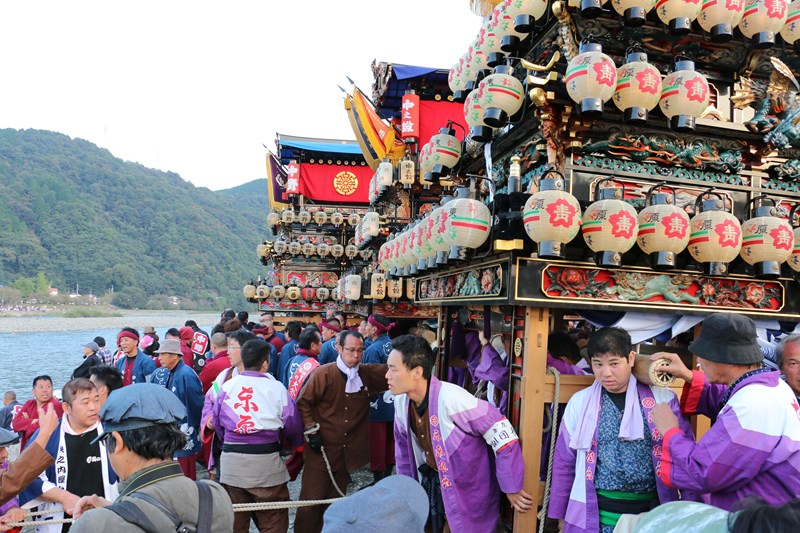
(634, 12)
(715, 236)
(525, 13)
(678, 14)
(720, 17)
(467, 223)
(638, 86)
(591, 78)
(684, 95)
(609, 225)
(791, 31)
(767, 239)
(502, 96)
(663, 228)
(762, 19)
(473, 115)
(445, 152)
(551, 216)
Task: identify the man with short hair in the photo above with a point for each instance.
(9, 409)
(381, 413)
(787, 354)
(267, 320)
(26, 421)
(200, 346)
(463, 451)
(179, 378)
(142, 435)
(218, 363)
(81, 467)
(303, 363)
(753, 445)
(134, 364)
(252, 412)
(107, 379)
(334, 404)
(330, 329)
(103, 353)
(293, 329)
(362, 330)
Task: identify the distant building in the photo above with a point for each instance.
(52, 291)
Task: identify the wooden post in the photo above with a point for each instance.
(534, 370)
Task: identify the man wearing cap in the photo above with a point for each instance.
(26, 421)
(135, 365)
(381, 413)
(753, 445)
(142, 435)
(334, 404)
(90, 359)
(329, 329)
(179, 378)
(81, 467)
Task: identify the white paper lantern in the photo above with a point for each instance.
(609, 225)
(352, 287)
(716, 236)
(249, 291)
(663, 229)
(762, 19)
(791, 30)
(634, 12)
(767, 240)
(591, 79)
(638, 88)
(679, 14)
(551, 216)
(503, 96)
(720, 17)
(684, 95)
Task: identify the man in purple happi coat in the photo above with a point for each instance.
(753, 445)
(461, 449)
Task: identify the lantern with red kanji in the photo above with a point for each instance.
(502, 97)
(308, 293)
(638, 87)
(505, 27)
(762, 19)
(609, 225)
(591, 79)
(445, 152)
(456, 81)
(552, 216)
(684, 95)
(663, 228)
(489, 42)
(467, 223)
(791, 30)
(525, 13)
(473, 115)
(767, 239)
(720, 17)
(715, 236)
(794, 259)
(634, 12)
(679, 14)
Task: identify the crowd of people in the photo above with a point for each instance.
(256, 407)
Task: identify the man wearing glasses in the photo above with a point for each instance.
(334, 404)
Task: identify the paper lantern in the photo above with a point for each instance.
(407, 170)
(350, 251)
(273, 218)
(679, 14)
(551, 216)
(638, 87)
(715, 235)
(473, 115)
(308, 249)
(489, 42)
(308, 293)
(353, 219)
(467, 223)
(371, 225)
(335, 294)
(337, 250)
(609, 225)
(474, 65)
(455, 79)
(411, 288)
(791, 30)
(502, 97)
(425, 165)
(287, 216)
(591, 8)
(762, 19)
(634, 12)
(506, 28)
(767, 239)
(525, 13)
(278, 292)
(720, 17)
(294, 248)
(428, 225)
(280, 247)
(337, 218)
(249, 291)
(591, 79)
(320, 217)
(352, 287)
(384, 176)
(684, 95)
(418, 246)
(323, 293)
(394, 288)
(663, 228)
(293, 293)
(441, 244)
(365, 254)
(377, 283)
(262, 250)
(445, 152)
(303, 217)
(323, 249)
(262, 291)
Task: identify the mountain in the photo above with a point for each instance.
(81, 216)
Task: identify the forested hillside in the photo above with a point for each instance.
(81, 216)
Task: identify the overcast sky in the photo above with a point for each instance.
(196, 87)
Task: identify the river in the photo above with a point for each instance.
(34, 345)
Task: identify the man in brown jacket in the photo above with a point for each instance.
(33, 459)
(334, 404)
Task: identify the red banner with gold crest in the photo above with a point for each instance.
(335, 183)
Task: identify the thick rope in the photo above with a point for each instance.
(314, 429)
(553, 436)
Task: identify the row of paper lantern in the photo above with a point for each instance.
(610, 227)
(304, 217)
(378, 286)
(445, 232)
(279, 292)
(758, 20)
(368, 228)
(385, 177)
(293, 248)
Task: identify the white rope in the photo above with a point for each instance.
(553, 435)
(313, 429)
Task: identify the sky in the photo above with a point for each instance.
(198, 87)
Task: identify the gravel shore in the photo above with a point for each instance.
(159, 319)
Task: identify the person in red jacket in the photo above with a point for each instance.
(218, 363)
(26, 421)
(186, 336)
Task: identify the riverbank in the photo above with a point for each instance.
(15, 323)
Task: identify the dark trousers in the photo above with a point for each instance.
(317, 485)
(273, 521)
(381, 446)
(188, 466)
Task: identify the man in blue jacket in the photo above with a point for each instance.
(135, 365)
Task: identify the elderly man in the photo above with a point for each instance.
(142, 435)
(334, 404)
(26, 421)
(134, 364)
(753, 446)
(179, 378)
(787, 354)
